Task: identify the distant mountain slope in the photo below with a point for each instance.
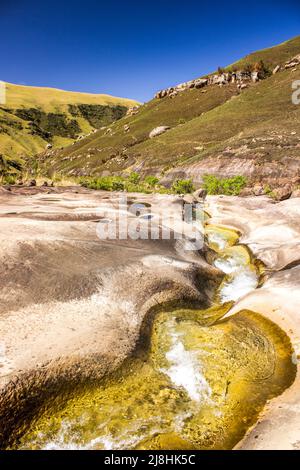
(33, 117)
(221, 124)
(229, 128)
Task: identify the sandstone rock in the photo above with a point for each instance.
(296, 193)
(133, 110)
(200, 83)
(158, 130)
(255, 77)
(293, 62)
(258, 190)
(280, 194)
(246, 192)
(200, 194)
(243, 86)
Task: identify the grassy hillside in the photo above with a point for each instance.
(33, 117)
(211, 129)
(52, 99)
(272, 56)
(259, 123)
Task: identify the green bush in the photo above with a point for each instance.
(9, 179)
(151, 181)
(228, 186)
(183, 186)
(134, 177)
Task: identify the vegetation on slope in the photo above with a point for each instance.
(224, 122)
(33, 117)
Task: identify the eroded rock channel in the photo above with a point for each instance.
(185, 377)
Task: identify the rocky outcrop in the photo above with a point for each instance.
(158, 130)
(280, 194)
(132, 111)
(296, 193)
(293, 62)
(240, 78)
(276, 70)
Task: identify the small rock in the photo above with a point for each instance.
(158, 130)
(258, 190)
(296, 193)
(246, 192)
(277, 68)
(281, 194)
(200, 194)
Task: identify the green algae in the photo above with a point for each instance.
(201, 384)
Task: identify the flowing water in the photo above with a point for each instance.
(200, 386)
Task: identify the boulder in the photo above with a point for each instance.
(258, 190)
(246, 192)
(200, 83)
(296, 193)
(200, 194)
(281, 194)
(158, 130)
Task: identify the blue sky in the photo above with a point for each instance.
(131, 48)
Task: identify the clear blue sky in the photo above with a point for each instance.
(130, 48)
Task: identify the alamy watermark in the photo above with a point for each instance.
(2, 93)
(137, 221)
(296, 93)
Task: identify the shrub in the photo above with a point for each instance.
(183, 186)
(248, 68)
(9, 179)
(262, 69)
(151, 181)
(134, 177)
(118, 184)
(228, 186)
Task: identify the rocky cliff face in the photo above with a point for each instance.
(241, 78)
